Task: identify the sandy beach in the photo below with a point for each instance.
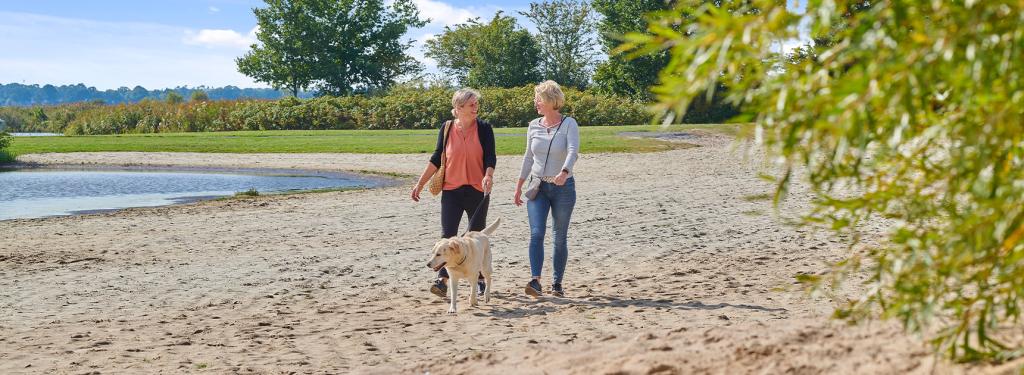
(677, 265)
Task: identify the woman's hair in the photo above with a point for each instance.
(550, 93)
(462, 97)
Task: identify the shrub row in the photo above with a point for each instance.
(400, 108)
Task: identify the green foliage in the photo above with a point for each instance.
(403, 107)
(199, 96)
(16, 119)
(495, 54)
(43, 119)
(633, 74)
(451, 49)
(565, 35)
(338, 46)
(620, 75)
(284, 57)
(252, 192)
(901, 115)
(373, 36)
(174, 98)
(148, 116)
(5, 141)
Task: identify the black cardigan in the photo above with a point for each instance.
(486, 134)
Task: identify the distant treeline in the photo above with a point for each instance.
(400, 108)
(16, 94)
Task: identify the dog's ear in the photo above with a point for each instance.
(455, 247)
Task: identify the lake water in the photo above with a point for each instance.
(33, 193)
(36, 134)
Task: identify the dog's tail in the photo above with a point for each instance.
(491, 228)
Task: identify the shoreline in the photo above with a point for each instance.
(364, 180)
(143, 167)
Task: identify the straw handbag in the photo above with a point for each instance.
(437, 180)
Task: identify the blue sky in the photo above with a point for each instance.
(160, 44)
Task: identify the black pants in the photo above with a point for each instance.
(454, 203)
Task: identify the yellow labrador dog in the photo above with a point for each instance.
(465, 258)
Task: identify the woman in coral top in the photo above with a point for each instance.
(469, 167)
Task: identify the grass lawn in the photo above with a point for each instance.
(510, 141)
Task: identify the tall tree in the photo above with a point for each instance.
(284, 56)
(339, 47)
(568, 49)
(901, 116)
(621, 75)
(365, 50)
(451, 49)
(495, 54)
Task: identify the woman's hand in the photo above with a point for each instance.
(416, 192)
(487, 182)
(518, 199)
(560, 179)
(424, 179)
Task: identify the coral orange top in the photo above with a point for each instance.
(464, 159)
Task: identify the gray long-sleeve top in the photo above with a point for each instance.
(564, 149)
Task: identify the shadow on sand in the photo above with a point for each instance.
(529, 306)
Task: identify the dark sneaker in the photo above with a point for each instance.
(480, 285)
(533, 288)
(556, 290)
(440, 288)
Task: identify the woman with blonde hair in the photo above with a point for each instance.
(469, 159)
(552, 147)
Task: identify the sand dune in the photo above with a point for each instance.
(676, 265)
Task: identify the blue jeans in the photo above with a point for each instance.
(559, 201)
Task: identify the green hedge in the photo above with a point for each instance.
(400, 108)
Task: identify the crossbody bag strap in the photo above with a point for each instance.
(551, 143)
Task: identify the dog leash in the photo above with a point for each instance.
(483, 202)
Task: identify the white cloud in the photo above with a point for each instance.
(442, 14)
(418, 49)
(214, 9)
(220, 38)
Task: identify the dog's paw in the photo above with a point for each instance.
(451, 311)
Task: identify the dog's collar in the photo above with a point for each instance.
(463, 259)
